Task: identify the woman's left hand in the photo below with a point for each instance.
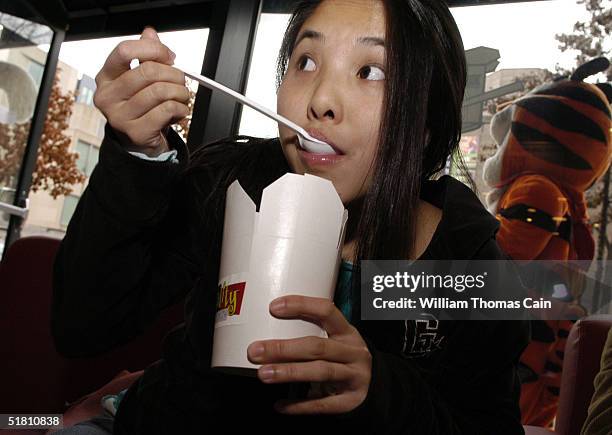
(340, 365)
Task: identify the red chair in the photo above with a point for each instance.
(581, 364)
(34, 377)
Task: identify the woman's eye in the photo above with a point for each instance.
(371, 72)
(306, 64)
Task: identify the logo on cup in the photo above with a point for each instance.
(229, 298)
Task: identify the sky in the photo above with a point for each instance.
(89, 56)
(524, 33)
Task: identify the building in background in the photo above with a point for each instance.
(48, 216)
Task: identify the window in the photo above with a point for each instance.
(36, 71)
(85, 96)
(70, 203)
(85, 90)
(101, 126)
(88, 57)
(81, 62)
(23, 66)
(262, 76)
(94, 155)
(88, 157)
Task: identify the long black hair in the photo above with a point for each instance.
(421, 127)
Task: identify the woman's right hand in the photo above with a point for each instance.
(142, 102)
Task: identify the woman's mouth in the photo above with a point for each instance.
(319, 135)
(312, 159)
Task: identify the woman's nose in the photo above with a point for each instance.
(325, 105)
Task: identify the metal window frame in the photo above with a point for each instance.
(24, 180)
(233, 31)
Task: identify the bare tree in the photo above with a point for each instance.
(590, 37)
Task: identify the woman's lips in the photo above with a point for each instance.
(310, 159)
(313, 159)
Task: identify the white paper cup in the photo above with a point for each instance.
(291, 246)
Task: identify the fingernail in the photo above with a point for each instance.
(172, 55)
(278, 304)
(257, 350)
(266, 373)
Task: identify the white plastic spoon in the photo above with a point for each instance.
(307, 142)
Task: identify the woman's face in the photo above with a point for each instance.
(334, 88)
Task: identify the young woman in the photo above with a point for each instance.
(383, 82)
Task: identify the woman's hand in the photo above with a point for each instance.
(342, 363)
(142, 102)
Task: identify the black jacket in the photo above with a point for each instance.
(148, 234)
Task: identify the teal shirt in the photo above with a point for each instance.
(343, 297)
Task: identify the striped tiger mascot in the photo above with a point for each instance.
(553, 144)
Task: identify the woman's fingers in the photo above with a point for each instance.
(120, 58)
(312, 371)
(321, 311)
(304, 349)
(135, 80)
(142, 102)
(151, 87)
(146, 129)
(154, 95)
(342, 361)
